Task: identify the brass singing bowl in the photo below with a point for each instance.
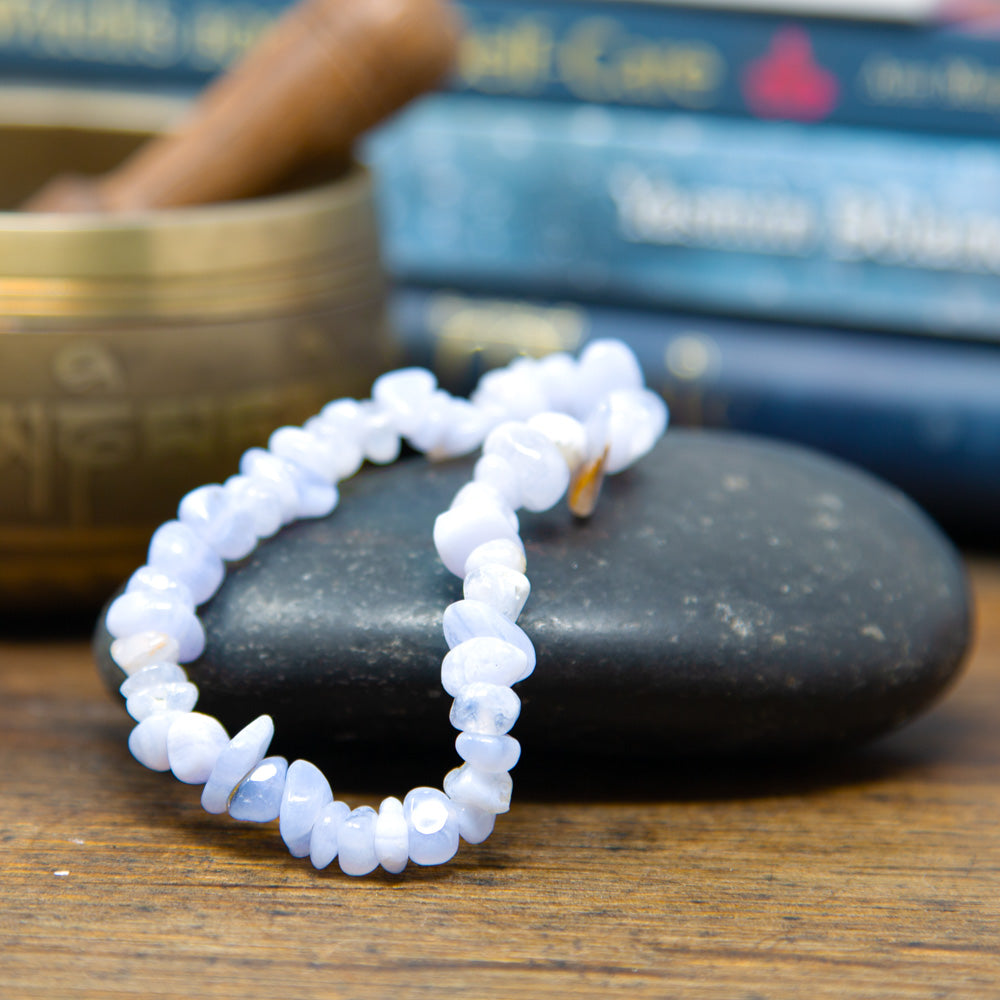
(141, 354)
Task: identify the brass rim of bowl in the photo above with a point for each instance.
(214, 239)
(259, 253)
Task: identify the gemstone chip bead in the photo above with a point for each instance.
(257, 798)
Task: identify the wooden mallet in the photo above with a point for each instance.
(324, 73)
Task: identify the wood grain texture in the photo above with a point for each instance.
(874, 876)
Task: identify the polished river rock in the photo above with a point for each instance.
(729, 595)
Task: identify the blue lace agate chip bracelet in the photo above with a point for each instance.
(546, 427)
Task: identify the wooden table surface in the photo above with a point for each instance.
(873, 876)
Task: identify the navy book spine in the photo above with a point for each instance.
(908, 76)
(835, 225)
(922, 414)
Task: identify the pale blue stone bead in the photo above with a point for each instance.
(482, 659)
(516, 390)
(244, 752)
(488, 753)
(405, 394)
(433, 825)
(474, 825)
(498, 586)
(346, 434)
(502, 551)
(466, 620)
(213, 514)
(191, 644)
(356, 842)
(260, 499)
(541, 472)
(146, 611)
(257, 798)
(306, 445)
(148, 741)
(467, 427)
(194, 743)
(566, 433)
(180, 553)
(152, 579)
(369, 425)
(151, 676)
(430, 431)
(177, 696)
(450, 427)
(479, 789)
(306, 792)
(493, 412)
(604, 365)
(301, 491)
(486, 495)
(558, 374)
(317, 496)
(345, 416)
(392, 836)
(460, 530)
(598, 428)
(529, 369)
(631, 421)
(258, 464)
(380, 439)
(485, 708)
(497, 472)
(325, 839)
(134, 652)
(618, 428)
(319, 448)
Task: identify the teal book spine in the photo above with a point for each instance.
(837, 226)
(754, 64)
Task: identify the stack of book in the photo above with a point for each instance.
(790, 208)
(794, 219)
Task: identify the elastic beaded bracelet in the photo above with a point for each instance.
(545, 426)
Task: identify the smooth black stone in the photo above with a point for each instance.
(730, 595)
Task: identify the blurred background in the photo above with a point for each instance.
(789, 209)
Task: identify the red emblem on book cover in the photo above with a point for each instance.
(787, 82)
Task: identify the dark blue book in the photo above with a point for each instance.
(747, 63)
(922, 413)
(840, 226)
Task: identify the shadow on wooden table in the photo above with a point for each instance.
(927, 743)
